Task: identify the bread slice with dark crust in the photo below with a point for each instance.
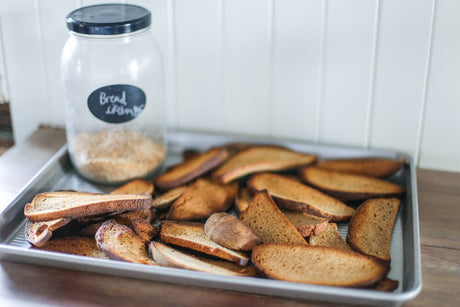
(242, 200)
(80, 246)
(119, 242)
(165, 255)
(135, 186)
(191, 169)
(54, 205)
(349, 187)
(317, 265)
(268, 223)
(306, 224)
(166, 200)
(201, 199)
(260, 159)
(295, 196)
(330, 238)
(371, 227)
(373, 167)
(387, 285)
(191, 235)
(38, 233)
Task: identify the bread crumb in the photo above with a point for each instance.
(116, 155)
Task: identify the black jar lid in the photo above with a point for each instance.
(108, 19)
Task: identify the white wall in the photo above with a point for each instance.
(367, 73)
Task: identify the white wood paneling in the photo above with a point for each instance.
(348, 61)
(440, 146)
(246, 66)
(296, 56)
(400, 67)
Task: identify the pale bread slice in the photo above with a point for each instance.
(317, 265)
(119, 242)
(349, 187)
(371, 227)
(330, 238)
(295, 196)
(191, 235)
(373, 167)
(165, 201)
(259, 159)
(54, 205)
(191, 169)
(38, 233)
(306, 224)
(201, 199)
(268, 223)
(165, 255)
(80, 246)
(135, 186)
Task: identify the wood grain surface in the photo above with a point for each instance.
(32, 285)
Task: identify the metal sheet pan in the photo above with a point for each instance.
(58, 174)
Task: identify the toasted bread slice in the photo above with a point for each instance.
(349, 187)
(119, 242)
(387, 285)
(295, 196)
(330, 238)
(168, 256)
(165, 201)
(80, 246)
(191, 235)
(373, 167)
(201, 199)
(38, 233)
(55, 205)
(143, 229)
(259, 159)
(268, 223)
(306, 224)
(242, 200)
(136, 186)
(191, 169)
(371, 227)
(317, 265)
(226, 230)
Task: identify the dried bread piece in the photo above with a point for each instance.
(330, 238)
(119, 242)
(191, 235)
(260, 159)
(165, 201)
(80, 246)
(191, 169)
(349, 187)
(268, 223)
(371, 227)
(38, 233)
(54, 205)
(317, 265)
(242, 200)
(387, 285)
(165, 255)
(373, 167)
(143, 229)
(295, 196)
(136, 186)
(201, 199)
(306, 224)
(226, 230)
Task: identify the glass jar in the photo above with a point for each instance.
(112, 75)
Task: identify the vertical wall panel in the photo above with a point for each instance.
(401, 64)
(246, 69)
(24, 65)
(296, 57)
(440, 146)
(348, 61)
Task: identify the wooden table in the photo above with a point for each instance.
(31, 285)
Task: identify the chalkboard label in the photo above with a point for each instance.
(117, 103)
